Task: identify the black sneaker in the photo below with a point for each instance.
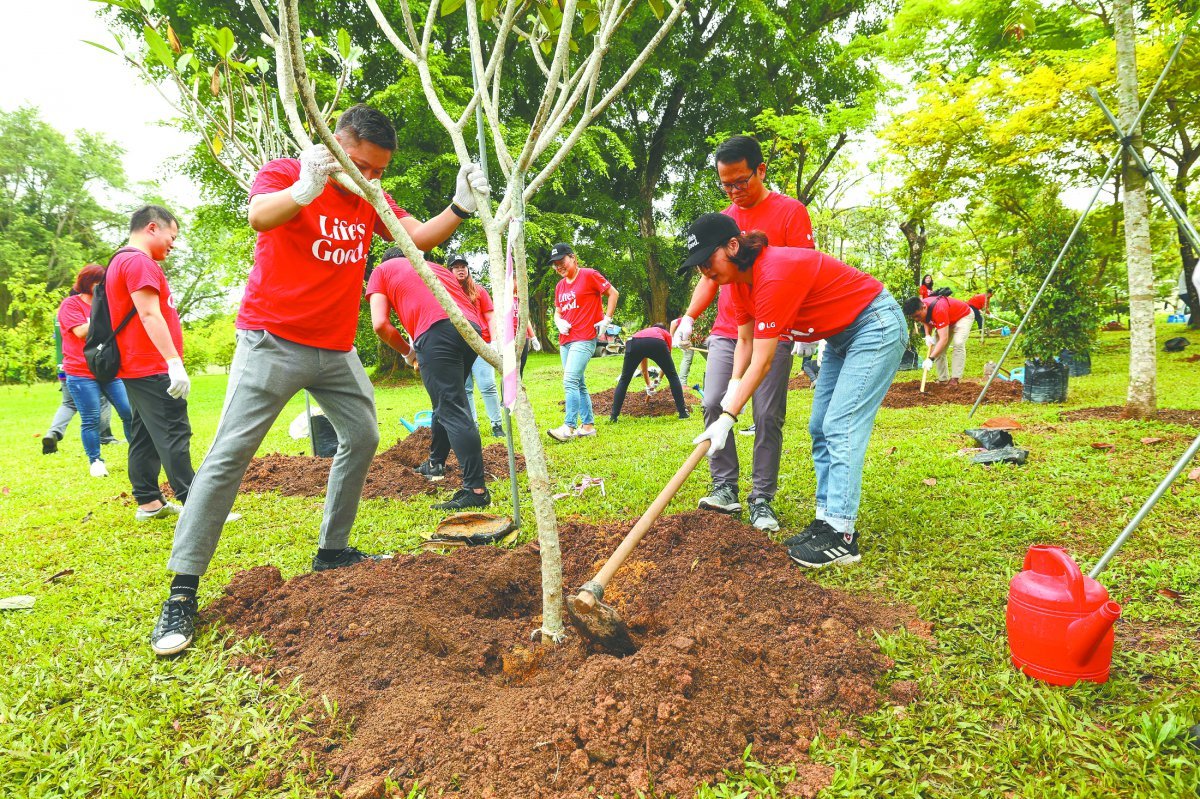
(497, 430)
(801, 536)
(747, 431)
(349, 557)
(762, 515)
(49, 444)
(825, 546)
(722, 498)
(432, 470)
(176, 626)
(465, 498)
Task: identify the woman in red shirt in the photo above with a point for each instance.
(926, 287)
(482, 376)
(654, 344)
(74, 318)
(806, 295)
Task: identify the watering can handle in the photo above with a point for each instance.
(1054, 562)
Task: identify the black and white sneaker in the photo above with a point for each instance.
(825, 546)
(802, 536)
(176, 626)
(464, 499)
(49, 444)
(762, 515)
(747, 431)
(432, 470)
(722, 497)
(497, 430)
(349, 557)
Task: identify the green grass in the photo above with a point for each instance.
(87, 711)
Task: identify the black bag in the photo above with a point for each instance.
(100, 348)
(944, 291)
(1077, 365)
(1045, 381)
(1175, 344)
(990, 439)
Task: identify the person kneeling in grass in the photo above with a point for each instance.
(444, 360)
(806, 295)
(651, 344)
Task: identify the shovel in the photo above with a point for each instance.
(925, 374)
(597, 622)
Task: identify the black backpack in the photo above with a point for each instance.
(944, 291)
(100, 348)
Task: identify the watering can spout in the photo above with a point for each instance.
(1084, 635)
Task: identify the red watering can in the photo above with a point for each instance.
(1060, 622)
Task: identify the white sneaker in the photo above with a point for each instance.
(168, 509)
(233, 517)
(98, 468)
(564, 433)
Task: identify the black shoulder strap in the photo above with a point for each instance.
(132, 310)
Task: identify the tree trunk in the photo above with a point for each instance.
(1187, 255)
(1140, 400)
(914, 232)
(657, 279)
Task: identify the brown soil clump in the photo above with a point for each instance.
(798, 382)
(392, 471)
(1116, 413)
(429, 660)
(908, 394)
(660, 403)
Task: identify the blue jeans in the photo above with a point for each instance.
(86, 393)
(575, 357)
(858, 368)
(483, 376)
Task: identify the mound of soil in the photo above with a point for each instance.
(392, 471)
(800, 381)
(430, 662)
(908, 394)
(1116, 413)
(637, 403)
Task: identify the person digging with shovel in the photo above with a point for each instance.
(947, 324)
(806, 295)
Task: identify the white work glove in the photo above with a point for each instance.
(805, 349)
(316, 165)
(683, 333)
(181, 384)
(730, 391)
(716, 433)
(649, 391)
(930, 340)
(469, 177)
(535, 344)
(602, 325)
(564, 327)
(927, 364)
(411, 360)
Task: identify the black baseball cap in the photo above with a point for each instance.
(455, 258)
(706, 234)
(560, 251)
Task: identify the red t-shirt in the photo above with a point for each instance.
(945, 311)
(802, 295)
(979, 301)
(73, 312)
(306, 282)
(654, 332)
(922, 291)
(580, 304)
(127, 273)
(412, 300)
(785, 221)
(483, 301)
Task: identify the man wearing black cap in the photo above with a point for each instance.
(579, 317)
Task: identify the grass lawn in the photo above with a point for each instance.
(87, 711)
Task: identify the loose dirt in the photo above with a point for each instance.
(1116, 413)
(908, 394)
(429, 660)
(392, 471)
(660, 403)
(799, 382)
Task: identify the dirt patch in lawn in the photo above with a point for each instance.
(798, 382)
(1116, 413)
(429, 660)
(392, 471)
(660, 403)
(908, 394)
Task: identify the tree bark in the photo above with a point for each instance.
(1140, 400)
(914, 232)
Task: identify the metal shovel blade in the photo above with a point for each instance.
(601, 627)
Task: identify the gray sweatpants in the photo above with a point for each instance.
(770, 409)
(266, 372)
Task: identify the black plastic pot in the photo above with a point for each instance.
(910, 361)
(1077, 365)
(1045, 381)
(324, 437)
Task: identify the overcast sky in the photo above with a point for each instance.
(78, 86)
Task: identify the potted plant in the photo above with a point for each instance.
(1065, 320)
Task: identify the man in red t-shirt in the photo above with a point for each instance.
(295, 331)
(979, 305)
(947, 324)
(151, 347)
(741, 172)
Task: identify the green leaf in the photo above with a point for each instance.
(148, 6)
(657, 7)
(102, 47)
(591, 21)
(488, 9)
(551, 17)
(450, 6)
(128, 5)
(223, 42)
(263, 65)
(183, 62)
(343, 43)
(159, 48)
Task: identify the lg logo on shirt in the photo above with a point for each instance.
(766, 325)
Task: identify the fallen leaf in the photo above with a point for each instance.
(59, 575)
(1002, 423)
(1103, 445)
(1170, 593)
(930, 481)
(86, 518)
(560, 496)
(1151, 440)
(4, 491)
(1194, 474)
(17, 603)
(890, 451)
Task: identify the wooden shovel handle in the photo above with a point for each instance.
(648, 518)
(925, 374)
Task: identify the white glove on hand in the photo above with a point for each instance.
(181, 384)
(927, 364)
(535, 344)
(730, 391)
(649, 391)
(716, 433)
(316, 165)
(602, 325)
(469, 177)
(805, 349)
(564, 327)
(683, 333)
(411, 360)
(930, 340)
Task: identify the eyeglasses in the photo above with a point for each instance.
(737, 185)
